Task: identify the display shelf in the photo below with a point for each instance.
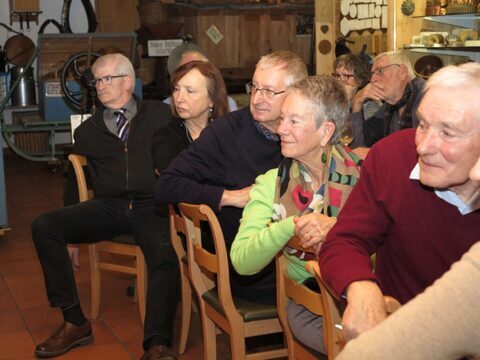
(472, 52)
(468, 21)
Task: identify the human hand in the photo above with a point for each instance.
(236, 198)
(74, 256)
(312, 229)
(371, 91)
(365, 309)
(350, 90)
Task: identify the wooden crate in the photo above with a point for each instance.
(54, 50)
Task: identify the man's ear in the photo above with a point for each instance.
(128, 81)
(326, 131)
(402, 72)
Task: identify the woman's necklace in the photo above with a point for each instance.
(193, 130)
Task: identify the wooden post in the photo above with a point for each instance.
(325, 35)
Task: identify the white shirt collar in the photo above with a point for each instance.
(449, 196)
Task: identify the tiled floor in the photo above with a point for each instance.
(26, 318)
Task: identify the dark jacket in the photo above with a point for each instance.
(119, 170)
(229, 154)
(169, 142)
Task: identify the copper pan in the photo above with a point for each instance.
(19, 49)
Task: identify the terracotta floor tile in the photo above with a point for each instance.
(16, 345)
(103, 352)
(32, 189)
(10, 322)
(31, 298)
(42, 318)
(20, 267)
(20, 282)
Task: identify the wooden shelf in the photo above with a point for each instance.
(472, 52)
(468, 21)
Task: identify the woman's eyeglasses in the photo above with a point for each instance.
(343, 77)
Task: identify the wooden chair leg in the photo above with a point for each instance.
(237, 345)
(94, 281)
(141, 283)
(186, 311)
(209, 337)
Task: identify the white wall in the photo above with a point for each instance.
(51, 9)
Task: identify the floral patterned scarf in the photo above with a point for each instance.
(294, 194)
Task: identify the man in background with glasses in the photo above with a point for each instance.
(219, 168)
(117, 142)
(393, 82)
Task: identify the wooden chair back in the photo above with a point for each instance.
(332, 318)
(121, 245)
(288, 288)
(178, 235)
(209, 273)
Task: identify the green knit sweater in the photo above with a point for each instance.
(259, 239)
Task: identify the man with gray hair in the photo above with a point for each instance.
(394, 83)
(414, 206)
(117, 142)
(219, 168)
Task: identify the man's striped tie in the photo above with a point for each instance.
(122, 125)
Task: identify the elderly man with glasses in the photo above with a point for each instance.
(117, 142)
(219, 168)
(394, 83)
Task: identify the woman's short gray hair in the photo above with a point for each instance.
(121, 64)
(328, 99)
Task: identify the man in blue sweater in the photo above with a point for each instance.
(219, 168)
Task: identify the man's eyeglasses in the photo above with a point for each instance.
(381, 70)
(343, 77)
(266, 93)
(106, 80)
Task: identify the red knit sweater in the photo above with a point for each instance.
(416, 235)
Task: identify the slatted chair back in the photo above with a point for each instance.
(210, 277)
(288, 288)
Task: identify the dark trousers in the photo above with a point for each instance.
(101, 219)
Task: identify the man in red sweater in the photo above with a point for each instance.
(414, 205)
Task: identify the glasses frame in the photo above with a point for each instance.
(106, 80)
(343, 77)
(381, 70)
(251, 88)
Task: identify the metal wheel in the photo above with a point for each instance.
(78, 69)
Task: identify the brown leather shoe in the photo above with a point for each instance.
(158, 352)
(66, 337)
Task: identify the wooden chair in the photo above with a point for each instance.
(177, 229)
(123, 245)
(238, 318)
(301, 295)
(332, 319)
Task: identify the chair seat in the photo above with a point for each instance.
(124, 239)
(249, 310)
